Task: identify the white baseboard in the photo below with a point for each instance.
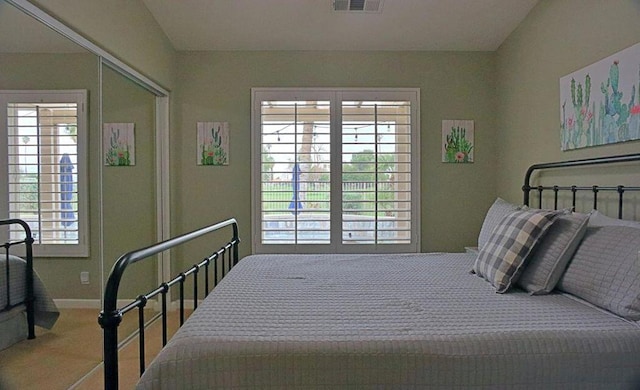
(78, 303)
(97, 304)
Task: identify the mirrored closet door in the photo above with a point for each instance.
(127, 123)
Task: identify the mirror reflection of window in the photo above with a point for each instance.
(44, 188)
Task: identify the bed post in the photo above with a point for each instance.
(236, 241)
(30, 294)
(109, 319)
(109, 323)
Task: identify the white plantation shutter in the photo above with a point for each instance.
(44, 140)
(295, 172)
(335, 170)
(376, 172)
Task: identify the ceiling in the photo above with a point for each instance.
(459, 25)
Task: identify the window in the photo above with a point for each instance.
(44, 135)
(335, 170)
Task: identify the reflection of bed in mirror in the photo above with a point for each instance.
(24, 301)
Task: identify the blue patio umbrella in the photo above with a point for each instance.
(66, 190)
(296, 204)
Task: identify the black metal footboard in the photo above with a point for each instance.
(594, 190)
(111, 316)
(28, 257)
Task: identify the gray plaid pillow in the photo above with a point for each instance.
(501, 259)
(498, 210)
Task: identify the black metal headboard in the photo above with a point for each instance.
(620, 189)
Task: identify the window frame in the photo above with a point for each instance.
(336, 96)
(80, 249)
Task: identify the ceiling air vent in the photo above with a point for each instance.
(357, 5)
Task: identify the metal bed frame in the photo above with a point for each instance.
(29, 298)
(110, 317)
(620, 189)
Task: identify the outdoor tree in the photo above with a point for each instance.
(268, 163)
(362, 167)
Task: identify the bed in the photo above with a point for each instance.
(550, 300)
(24, 301)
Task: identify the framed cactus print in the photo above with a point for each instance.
(600, 104)
(457, 141)
(213, 143)
(119, 144)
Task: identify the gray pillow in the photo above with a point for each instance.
(501, 259)
(498, 210)
(605, 270)
(550, 258)
(599, 219)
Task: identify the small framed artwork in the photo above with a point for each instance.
(457, 141)
(119, 144)
(213, 143)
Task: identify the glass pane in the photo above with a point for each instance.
(42, 169)
(295, 172)
(376, 172)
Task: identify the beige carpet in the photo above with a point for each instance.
(129, 366)
(61, 357)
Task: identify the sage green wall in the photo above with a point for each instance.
(558, 37)
(216, 86)
(129, 198)
(124, 28)
(66, 71)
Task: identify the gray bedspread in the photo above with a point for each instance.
(390, 321)
(46, 312)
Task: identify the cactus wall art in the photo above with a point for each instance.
(119, 144)
(213, 143)
(600, 104)
(457, 141)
